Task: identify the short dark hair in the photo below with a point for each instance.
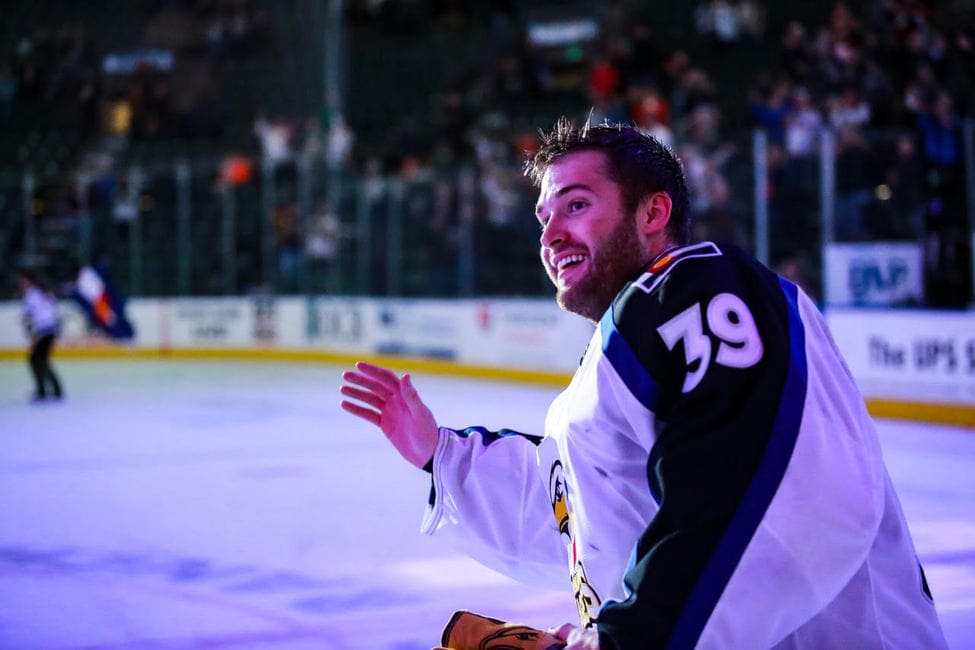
(636, 161)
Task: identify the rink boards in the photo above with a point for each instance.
(910, 364)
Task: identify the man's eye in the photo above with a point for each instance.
(576, 205)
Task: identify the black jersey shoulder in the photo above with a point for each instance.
(683, 276)
(691, 278)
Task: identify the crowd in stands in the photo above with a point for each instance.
(891, 80)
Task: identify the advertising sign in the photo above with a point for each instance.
(212, 322)
(923, 356)
(873, 273)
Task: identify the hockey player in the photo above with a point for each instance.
(710, 477)
(40, 316)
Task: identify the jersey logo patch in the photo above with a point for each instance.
(558, 497)
(587, 600)
(663, 264)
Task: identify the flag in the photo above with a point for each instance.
(103, 305)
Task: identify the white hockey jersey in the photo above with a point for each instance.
(40, 312)
(710, 478)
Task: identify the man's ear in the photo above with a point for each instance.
(654, 213)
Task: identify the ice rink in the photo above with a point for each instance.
(190, 504)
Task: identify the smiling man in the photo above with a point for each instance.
(710, 477)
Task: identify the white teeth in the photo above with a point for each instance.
(569, 260)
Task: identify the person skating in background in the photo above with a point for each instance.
(41, 320)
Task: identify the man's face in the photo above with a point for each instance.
(590, 246)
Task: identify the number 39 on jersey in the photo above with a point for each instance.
(730, 326)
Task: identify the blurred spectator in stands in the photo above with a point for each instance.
(922, 90)
(825, 73)
(284, 220)
(322, 244)
(499, 186)
(795, 55)
(880, 94)
(604, 91)
(752, 16)
(845, 44)
(718, 22)
(790, 204)
(960, 71)
(848, 108)
(650, 113)
(341, 141)
(702, 127)
(710, 196)
(941, 146)
(770, 106)
(374, 190)
(941, 134)
(695, 88)
(854, 181)
(235, 28)
(373, 185)
(313, 140)
(104, 182)
(904, 207)
(275, 137)
(216, 31)
(802, 125)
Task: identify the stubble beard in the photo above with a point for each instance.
(615, 261)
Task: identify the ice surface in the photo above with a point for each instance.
(179, 504)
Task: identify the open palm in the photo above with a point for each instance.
(391, 403)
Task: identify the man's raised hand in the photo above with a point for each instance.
(393, 405)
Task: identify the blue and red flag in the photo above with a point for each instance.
(103, 305)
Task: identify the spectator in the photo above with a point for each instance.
(288, 238)
(802, 125)
(941, 134)
(312, 140)
(275, 136)
(905, 208)
(770, 107)
(718, 21)
(795, 56)
(848, 109)
(322, 244)
(650, 113)
(341, 140)
(853, 183)
(880, 95)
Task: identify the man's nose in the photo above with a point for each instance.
(552, 232)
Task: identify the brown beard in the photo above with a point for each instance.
(614, 263)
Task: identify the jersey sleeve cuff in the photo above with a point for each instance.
(435, 506)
